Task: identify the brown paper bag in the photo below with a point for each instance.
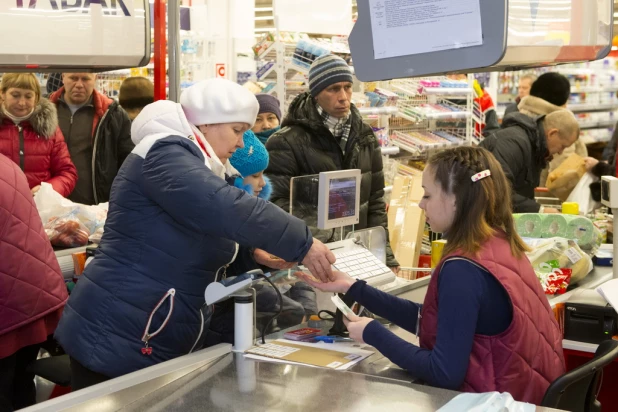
(561, 181)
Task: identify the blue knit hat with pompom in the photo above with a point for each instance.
(251, 159)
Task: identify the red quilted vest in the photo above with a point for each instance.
(524, 359)
(32, 290)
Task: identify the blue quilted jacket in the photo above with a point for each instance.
(173, 227)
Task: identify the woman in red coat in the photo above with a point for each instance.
(32, 290)
(30, 136)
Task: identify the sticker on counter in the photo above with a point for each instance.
(352, 357)
(573, 255)
(334, 365)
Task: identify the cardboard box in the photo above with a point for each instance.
(406, 220)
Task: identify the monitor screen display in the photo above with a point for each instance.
(342, 198)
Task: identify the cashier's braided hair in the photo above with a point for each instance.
(483, 208)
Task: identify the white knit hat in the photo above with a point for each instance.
(215, 101)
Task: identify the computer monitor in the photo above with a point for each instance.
(339, 198)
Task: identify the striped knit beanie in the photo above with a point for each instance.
(326, 70)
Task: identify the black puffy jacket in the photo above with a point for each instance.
(305, 146)
(521, 149)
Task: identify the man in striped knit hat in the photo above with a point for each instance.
(323, 131)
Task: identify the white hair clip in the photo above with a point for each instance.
(481, 175)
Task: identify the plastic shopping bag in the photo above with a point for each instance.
(486, 402)
(582, 196)
(551, 257)
(67, 223)
(67, 231)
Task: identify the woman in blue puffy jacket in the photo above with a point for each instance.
(175, 225)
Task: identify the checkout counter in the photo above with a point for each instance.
(216, 379)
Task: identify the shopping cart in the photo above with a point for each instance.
(544, 197)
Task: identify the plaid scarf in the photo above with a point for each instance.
(340, 128)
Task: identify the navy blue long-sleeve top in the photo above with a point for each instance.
(470, 301)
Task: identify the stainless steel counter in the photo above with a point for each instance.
(209, 381)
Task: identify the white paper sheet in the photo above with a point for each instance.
(404, 27)
(350, 348)
(609, 290)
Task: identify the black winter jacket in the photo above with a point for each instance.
(521, 149)
(112, 145)
(111, 142)
(305, 146)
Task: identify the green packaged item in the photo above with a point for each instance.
(582, 230)
(554, 225)
(529, 224)
(545, 226)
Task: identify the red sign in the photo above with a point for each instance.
(220, 69)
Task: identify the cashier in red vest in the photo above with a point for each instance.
(485, 324)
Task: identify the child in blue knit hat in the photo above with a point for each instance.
(251, 161)
(299, 300)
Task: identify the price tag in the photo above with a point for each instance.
(573, 255)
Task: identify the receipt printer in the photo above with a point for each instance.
(589, 318)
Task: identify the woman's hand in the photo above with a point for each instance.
(356, 327)
(340, 283)
(35, 189)
(264, 258)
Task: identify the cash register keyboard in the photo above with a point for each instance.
(358, 262)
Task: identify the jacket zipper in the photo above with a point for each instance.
(94, 156)
(22, 156)
(146, 337)
(224, 267)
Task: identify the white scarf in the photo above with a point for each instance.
(211, 159)
(15, 119)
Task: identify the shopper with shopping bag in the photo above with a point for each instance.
(175, 224)
(485, 324)
(30, 136)
(524, 146)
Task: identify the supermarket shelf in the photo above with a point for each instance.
(375, 111)
(271, 50)
(267, 73)
(390, 150)
(597, 125)
(434, 116)
(594, 89)
(300, 69)
(577, 72)
(422, 149)
(582, 108)
(450, 91)
(441, 91)
(596, 139)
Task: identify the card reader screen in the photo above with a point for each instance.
(341, 198)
